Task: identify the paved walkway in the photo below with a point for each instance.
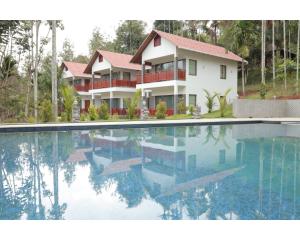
(122, 124)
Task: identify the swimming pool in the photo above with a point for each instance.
(240, 171)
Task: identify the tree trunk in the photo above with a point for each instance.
(284, 53)
(243, 77)
(37, 26)
(263, 52)
(297, 67)
(54, 72)
(273, 52)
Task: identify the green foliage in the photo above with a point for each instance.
(191, 109)
(67, 93)
(263, 91)
(45, 111)
(31, 119)
(223, 102)
(64, 117)
(161, 109)
(115, 116)
(93, 114)
(104, 111)
(181, 108)
(84, 117)
(209, 100)
(67, 53)
(129, 36)
(132, 105)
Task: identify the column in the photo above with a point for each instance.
(110, 92)
(93, 80)
(175, 68)
(175, 98)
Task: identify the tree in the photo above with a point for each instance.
(297, 67)
(35, 84)
(273, 52)
(96, 42)
(129, 36)
(54, 71)
(284, 54)
(263, 43)
(67, 53)
(81, 59)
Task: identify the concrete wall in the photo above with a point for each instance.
(266, 108)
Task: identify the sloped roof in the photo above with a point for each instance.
(187, 44)
(77, 69)
(119, 60)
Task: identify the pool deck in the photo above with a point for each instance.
(138, 123)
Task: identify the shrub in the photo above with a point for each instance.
(46, 111)
(84, 117)
(223, 102)
(209, 100)
(191, 109)
(93, 115)
(31, 119)
(263, 91)
(132, 105)
(63, 117)
(67, 93)
(115, 116)
(181, 108)
(161, 109)
(104, 111)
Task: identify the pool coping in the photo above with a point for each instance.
(138, 124)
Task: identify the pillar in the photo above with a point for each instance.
(175, 98)
(110, 92)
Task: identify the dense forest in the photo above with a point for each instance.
(28, 74)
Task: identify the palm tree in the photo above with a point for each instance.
(284, 53)
(54, 71)
(273, 52)
(298, 40)
(263, 40)
(35, 83)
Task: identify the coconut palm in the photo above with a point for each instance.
(297, 68)
(284, 53)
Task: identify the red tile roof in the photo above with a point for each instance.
(187, 44)
(77, 69)
(118, 60)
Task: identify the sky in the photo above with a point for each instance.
(79, 31)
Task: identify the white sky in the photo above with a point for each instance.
(79, 32)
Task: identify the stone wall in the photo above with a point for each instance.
(266, 108)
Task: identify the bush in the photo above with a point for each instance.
(104, 111)
(181, 108)
(64, 117)
(223, 102)
(46, 111)
(191, 109)
(209, 100)
(84, 117)
(263, 91)
(161, 109)
(31, 119)
(67, 93)
(115, 116)
(93, 115)
(132, 105)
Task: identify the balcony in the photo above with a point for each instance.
(84, 88)
(114, 83)
(161, 76)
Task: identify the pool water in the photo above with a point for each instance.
(242, 171)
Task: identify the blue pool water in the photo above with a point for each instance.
(247, 171)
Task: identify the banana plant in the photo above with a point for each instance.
(210, 100)
(223, 101)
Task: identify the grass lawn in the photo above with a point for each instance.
(179, 116)
(217, 114)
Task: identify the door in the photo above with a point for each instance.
(86, 105)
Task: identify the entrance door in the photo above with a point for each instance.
(86, 105)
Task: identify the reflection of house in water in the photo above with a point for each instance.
(179, 155)
(114, 151)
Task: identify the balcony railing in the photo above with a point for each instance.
(161, 76)
(114, 83)
(84, 88)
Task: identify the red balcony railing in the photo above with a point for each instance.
(114, 83)
(84, 88)
(161, 76)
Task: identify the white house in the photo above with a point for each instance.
(73, 72)
(174, 67)
(113, 79)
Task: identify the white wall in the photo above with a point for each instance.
(208, 77)
(66, 74)
(98, 66)
(150, 52)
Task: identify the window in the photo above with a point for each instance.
(192, 162)
(222, 156)
(223, 71)
(100, 58)
(126, 75)
(181, 64)
(169, 100)
(192, 67)
(157, 41)
(193, 100)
